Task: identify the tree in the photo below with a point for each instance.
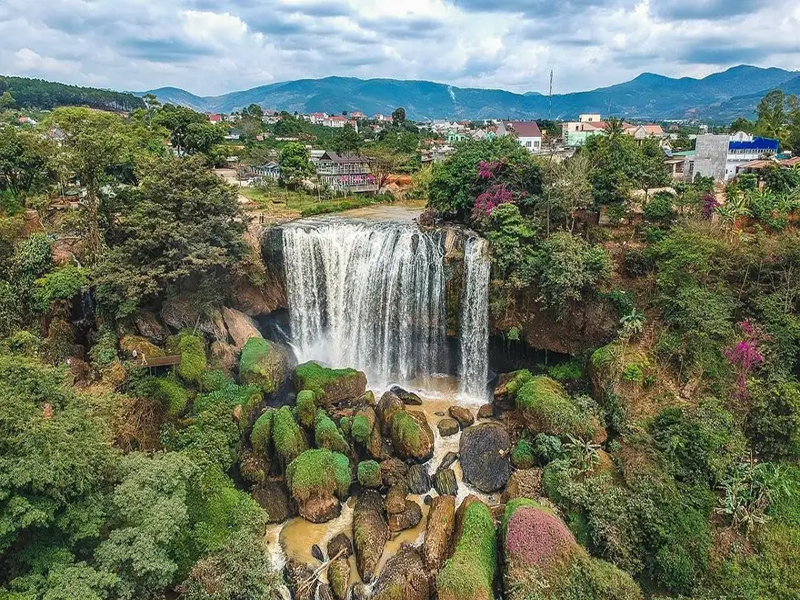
(383, 162)
(7, 101)
(295, 165)
(651, 171)
(399, 116)
(24, 161)
(95, 144)
(742, 124)
(347, 141)
(567, 188)
(772, 114)
(182, 224)
(254, 111)
(793, 139)
(190, 131)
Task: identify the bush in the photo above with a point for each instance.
(568, 371)
(369, 474)
(547, 409)
(286, 435)
(660, 208)
(63, 284)
(318, 473)
(773, 422)
(193, 355)
(471, 570)
(522, 455)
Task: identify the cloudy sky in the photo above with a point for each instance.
(212, 47)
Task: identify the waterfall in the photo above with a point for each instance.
(368, 295)
(475, 321)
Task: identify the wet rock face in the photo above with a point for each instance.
(273, 497)
(404, 576)
(484, 456)
(444, 481)
(486, 411)
(297, 575)
(439, 531)
(388, 406)
(396, 499)
(407, 398)
(448, 460)
(418, 480)
(240, 327)
(370, 533)
(447, 427)
(148, 325)
(340, 545)
(462, 415)
(408, 519)
(320, 509)
(339, 578)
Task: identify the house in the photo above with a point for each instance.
(234, 134)
(348, 174)
(334, 121)
(317, 118)
(381, 117)
(454, 136)
(23, 120)
(270, 171)
(528, 134)
(575, 133)
(681, 164)
(720, 156)
(214, 118)
(643, 132)
(357, 114)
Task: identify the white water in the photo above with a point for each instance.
(367, 295)
(474, 335)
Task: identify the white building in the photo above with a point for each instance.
(529, 136)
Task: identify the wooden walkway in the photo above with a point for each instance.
(158, 361)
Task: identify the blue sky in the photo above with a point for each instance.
(212, 47)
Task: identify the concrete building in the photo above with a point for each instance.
(720, 156)
(529, 136)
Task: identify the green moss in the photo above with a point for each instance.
(471, 571)
(261, 436)
(262, 364)
(318, 473)
(604, 358)
(522, 455)
(232, 395)
(287, 437)
(314, 377)
(369, 474)
(306, 408)
(568, 371)
(633, 373)
(361, 429)
(519, 379)
(548, 409)
(346, 425)
(406, 430)
(327, 435)
(171, 394)
(193, 355)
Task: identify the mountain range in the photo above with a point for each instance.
(718, 97)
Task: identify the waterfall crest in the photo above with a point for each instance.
(368, 295)
(475, 321)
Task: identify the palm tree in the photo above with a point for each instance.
(614, 128)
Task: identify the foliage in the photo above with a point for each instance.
(660, 209)
(522, 455)
(193, 355)
(63, 284)
(190, 131)
(327, 435)
(318, 473)
(24, 161)
(286, 435)
(369, 474)
(38, 93)
(567, 371)
(295, 165)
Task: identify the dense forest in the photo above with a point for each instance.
(22, 92)
(656, 458)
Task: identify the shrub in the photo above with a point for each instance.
(326, 434)
(261, 436)
(660, 208)
(369, 474)
(546, 448)
(318, 473)
(287, 436)
(522, 455)
(470, 572)
(193, 355)
(568, 371)
(773, 422)
(633, 373)
(548, 409)
(306, 408)
(361, 429)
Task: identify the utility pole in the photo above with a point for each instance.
(550, 101)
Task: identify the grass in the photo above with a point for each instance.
(280, 200)
(317, 473)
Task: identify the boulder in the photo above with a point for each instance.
(445, 483)
(370, 533)
(408, 398)
(418, 481)
(412, 437)
(273, 497)
(340, 546)
(484, 456)
(263, 363)
(448, 460)
(339, 578)
(407, 519)
(388, 406)
(148, 325)
(330, 386)
(447, 427)
(404, 577)
(323, 592)
(315, 479)
(393, 471)
(223, 356)
(183, 312)
(462, 415)
(240, 327)
(486, 411)
(257, 300)
(377, 447)
(439, 531)
(396, 499)
(316, 552)
(523, 483)
(296, 575)
(320, 509)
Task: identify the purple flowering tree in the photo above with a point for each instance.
(745, 356)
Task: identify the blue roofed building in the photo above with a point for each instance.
(720, 156)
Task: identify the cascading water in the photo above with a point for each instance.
(367, 295)
(474, 321)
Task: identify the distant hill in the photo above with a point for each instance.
(648, 96)
(38, 93)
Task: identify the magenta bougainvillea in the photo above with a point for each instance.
(745, 355)
(488, 200)
(537, 538)
(488, 169)
(710, 204)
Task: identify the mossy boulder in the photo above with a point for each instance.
(403, 577)
(361, 429)
(172, 395)
(339, 578)
(306, 408)
(547, 408)
(274, 498)
(330, 386)
(315, 479)
(328, 436)
(388, 406)
(470, 572)
(412, 437)
(369, 474)
(540, 552)
(192, 352)
(370, 533)
(439, 531)
(263, 363)
(288, 439)
(508, 385)
(261, 435)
